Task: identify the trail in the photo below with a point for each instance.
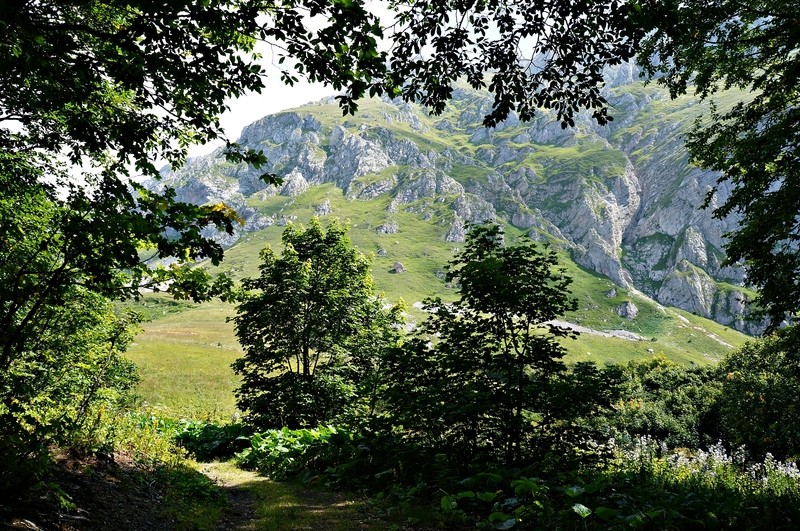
(258, 503)
(242, 511)
(621, 334)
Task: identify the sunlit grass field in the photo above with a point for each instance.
(185, 352)
(184, 360)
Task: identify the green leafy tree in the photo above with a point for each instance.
(752, 46)
(312, 329)
(551, 54)
(759, 400)
(66, 387)
(530, 54)
(477, 380)
(60, 342)
(671, 403)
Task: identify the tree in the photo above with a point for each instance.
(65, 388)
(304, 326)
(751, 46)
(531, 54)
(477, 378)
(60, 342)
(551, 54)
(758, 403)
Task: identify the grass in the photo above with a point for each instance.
(288, 506)
(184, 360)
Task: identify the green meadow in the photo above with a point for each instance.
(185, 351)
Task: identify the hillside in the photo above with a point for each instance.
(620, 204)
(621, 201)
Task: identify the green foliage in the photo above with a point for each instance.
(575, 41)
(61, 369)
(751, 46)
(65, 386)
(759, 399)
(129, 59)
(667, 402)
(285, 453)
(207, 441)
(642, 490)
(188, 497)
(313, 331)
(479, 379)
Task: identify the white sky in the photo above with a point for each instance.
(276, 96)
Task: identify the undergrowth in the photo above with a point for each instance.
(643, 485)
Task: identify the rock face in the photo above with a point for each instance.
(628, 310)
(388, 228)
(622, 200)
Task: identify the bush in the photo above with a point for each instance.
(208, 441)
(759, 405)
(285, 453)
(65, 390)
(478, 380)
(646, 488)
(668, 402)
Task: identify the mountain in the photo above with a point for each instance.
(621, 201)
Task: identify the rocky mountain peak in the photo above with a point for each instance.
(622, 200)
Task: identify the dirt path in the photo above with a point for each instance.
(243, 503)
(258, 503)
(121, 495)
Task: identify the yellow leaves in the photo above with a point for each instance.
(227, 212)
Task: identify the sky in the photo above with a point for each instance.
(274, 98)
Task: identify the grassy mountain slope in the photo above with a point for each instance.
(185, 352)
(620, 200)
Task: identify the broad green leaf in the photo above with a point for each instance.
(448, 503)
(581, 510)
(606, 513)
(506, 524)
(499, 516)
(486, 496)
(574, 491)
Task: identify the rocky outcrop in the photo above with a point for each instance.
(622, 199)
(323, 209)
(628, 310)
(388, 228)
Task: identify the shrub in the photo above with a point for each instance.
(759, 405)
(207, 441)
(287, 453)
(668, 402)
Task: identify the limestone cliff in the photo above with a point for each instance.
(622, 199)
